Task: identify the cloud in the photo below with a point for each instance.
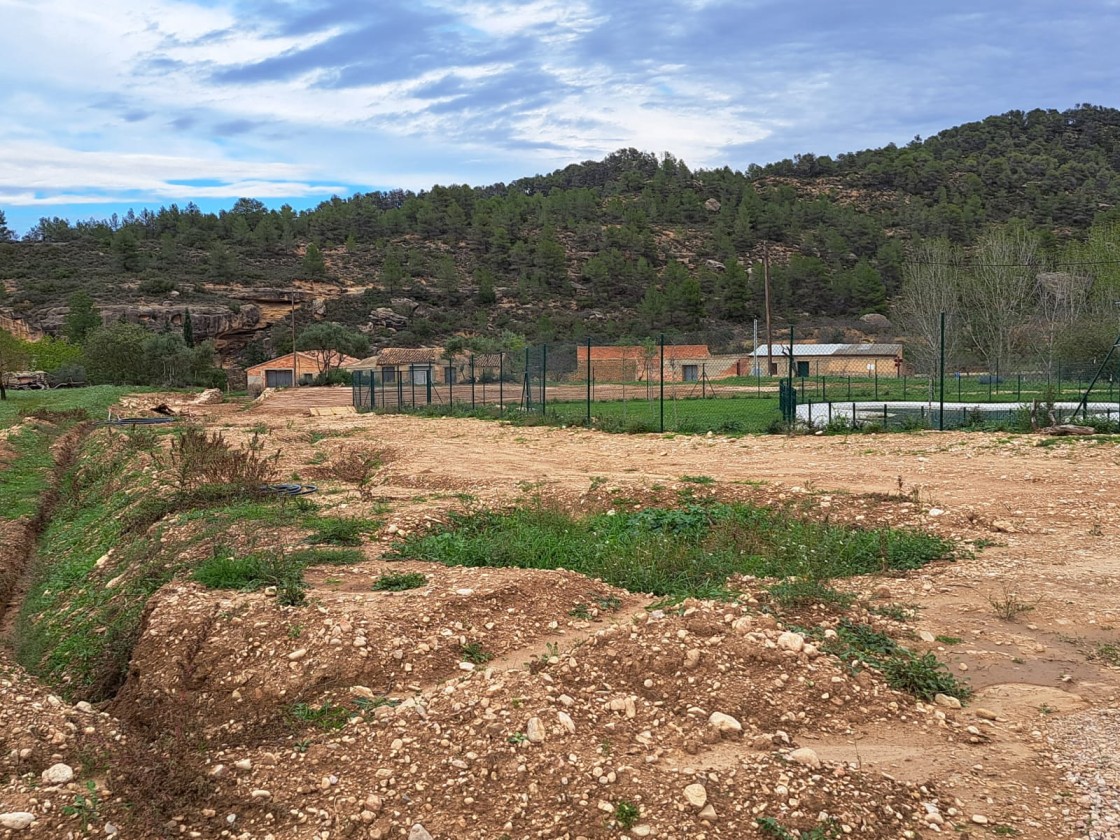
(308, 95)
(37, 175)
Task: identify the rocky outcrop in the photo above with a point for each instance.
(207, 321)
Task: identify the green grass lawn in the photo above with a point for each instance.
(95, 400)
(734, 415)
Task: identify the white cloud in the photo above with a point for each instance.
(33, 174)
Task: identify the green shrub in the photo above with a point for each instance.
(334, 530)
(400, 582)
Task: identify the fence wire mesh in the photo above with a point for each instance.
(679, 384)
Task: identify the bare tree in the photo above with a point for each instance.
(929, 287)
(997, 293)
(1063, 299)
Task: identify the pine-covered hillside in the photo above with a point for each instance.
(629, 244)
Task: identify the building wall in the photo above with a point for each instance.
(884, 366)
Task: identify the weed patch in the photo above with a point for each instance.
(335, 530)
(1009, 605)
(674, 552)
(327, 716)
(923, 676)
(475, 652)
(799, 592)
(400, 582)
(770, 827)
(225, 570)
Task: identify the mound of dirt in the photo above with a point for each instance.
(371, 717)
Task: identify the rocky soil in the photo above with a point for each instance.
(491, 703)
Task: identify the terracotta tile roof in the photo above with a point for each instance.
(391, 356)
(635, 353)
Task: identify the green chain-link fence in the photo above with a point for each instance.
(680, 384)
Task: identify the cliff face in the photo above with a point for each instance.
(215, 322)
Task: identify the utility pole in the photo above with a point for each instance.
(754, 347)
(766, 284)
(295, 380)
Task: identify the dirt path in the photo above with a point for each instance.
(1042, 518)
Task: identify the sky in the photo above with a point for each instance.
(118, 104)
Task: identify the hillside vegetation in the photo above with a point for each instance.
(627, 245)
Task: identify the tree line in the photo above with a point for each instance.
(643, 238)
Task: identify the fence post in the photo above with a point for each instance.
(661, 400)
(428, 390)
(941, 411)
(589, 382)
(544, 378)
(501, 381)
(875, 371)
(473, 377)
(400, 389)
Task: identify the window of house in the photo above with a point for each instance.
(802, 369)
(389, 375)
(690, 373)
(419, 375)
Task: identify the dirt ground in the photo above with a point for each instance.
(623, 706)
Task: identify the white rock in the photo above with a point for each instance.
(708, 813)
(697, 795)
(58, 774)
(566, 721)
(979, 819)
(297, 655)
(806, 757)
(724, 723)
(985, 714)
(534, 730)
(946, 701)
(791, 641)
(418, 832)
(16, 820)
(926, 636)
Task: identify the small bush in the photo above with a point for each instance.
(356, 466)
(400, 582)
(198, 459)
(626, 814)
(923, 676)
(333, 530)
(475, 652)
